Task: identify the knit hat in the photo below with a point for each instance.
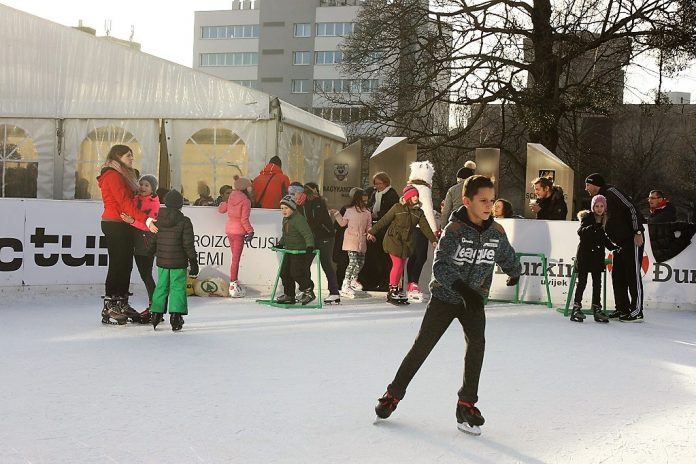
(409, 192)
(296, 188)
(289, 202)
(275, 160)
(241, 183)
(467, 171)
(174, 199)
(595, 179)
(598, 199)
(150, 179)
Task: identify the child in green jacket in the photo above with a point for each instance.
(296, 236)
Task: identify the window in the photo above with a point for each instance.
(345, 85)
(247, 83)
(334, 29)
(246, 31)
(230, 59)
(300, 86)
(328, 57)
(19, 163)
(303, 30)
(301, 58)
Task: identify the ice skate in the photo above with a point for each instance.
(128, 310)
(111, 312)
(285, 299)
(469, 418)
(386, 405)
(306, 297)
(355, 285)
(177, 321)
(347, 291)
(332, 300)
(414, 294)
(236, 290)
(396, 297)
(576, 314)
(156, 319)
(145, 316)
(599, 315)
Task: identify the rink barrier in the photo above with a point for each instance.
(545, 273)
(272, 302)
(571, 289)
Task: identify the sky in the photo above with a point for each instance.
(164, 28)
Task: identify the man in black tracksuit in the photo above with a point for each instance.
(624, 228)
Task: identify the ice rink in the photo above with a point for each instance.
(244, 383)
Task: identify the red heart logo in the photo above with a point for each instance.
(643, 265)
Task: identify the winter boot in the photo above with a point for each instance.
(469, 418)
(177, 321)
(386, 405)
(332, 299)
(355, 285)
(156, 319)
(599, 315)
(285, 299)
(306, 297)
(236, 290)
(111, 312)
(396, 297)
(414, 294)
(347, 290)
(128, 310)
(576, 315)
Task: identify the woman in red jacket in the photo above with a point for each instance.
(118, 184)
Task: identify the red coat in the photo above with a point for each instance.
(150, 205)
(237, 208)
(270, 186)
(117, 197)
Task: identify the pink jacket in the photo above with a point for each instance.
(149, 205)
(355, 237)
(238, 208)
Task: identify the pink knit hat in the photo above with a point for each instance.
(409, 192)
(241, 183)
(599, 199)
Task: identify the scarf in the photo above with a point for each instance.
(378, 200)
(660, 205)
(302, 197)
(127, 173)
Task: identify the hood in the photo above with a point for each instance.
(271, 168)
(462, 217)
(169, 217)
(583, 214)
(557, 192)
(102, 172)
(236, 198)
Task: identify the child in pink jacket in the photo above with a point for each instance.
(237, 205)
(358, 219)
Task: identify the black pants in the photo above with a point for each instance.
(375, 274)
(438, 316)
(626, 278)
(596, 287)
(295, 270)
(419, 256)
(119, 243)
(144, 265)
(326, 248)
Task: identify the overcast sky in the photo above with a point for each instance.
(164, 28)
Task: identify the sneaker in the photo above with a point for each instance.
(599, 315)
(631, 318)
(347, 291)
(467, 412)
(177, 321)
(355, 285)
(306, 297)
(236, 290)
(332, 299)
(285, 299)
(386, 405)
(576, 315)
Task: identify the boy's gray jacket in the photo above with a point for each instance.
(469, 254)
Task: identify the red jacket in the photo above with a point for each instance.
(237, 208)
(150, 205)
(117, 197)
(270, 186)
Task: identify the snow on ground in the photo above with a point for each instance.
(244, 383)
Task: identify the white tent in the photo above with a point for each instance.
(66, 96)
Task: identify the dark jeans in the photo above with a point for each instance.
(119, 243)
(375, 274)
(626, 278)
(438, 316)
(295, 270)
(326, 248)
(596, 287)
(419, 256)
(144, 265)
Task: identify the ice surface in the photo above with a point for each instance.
(244, 383)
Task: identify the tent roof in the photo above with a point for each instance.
(294, 116)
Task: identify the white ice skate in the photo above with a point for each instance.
(236, 290)
(414, 294)
(347, 292)
(332, 300)
(355, 285)
(470, 429)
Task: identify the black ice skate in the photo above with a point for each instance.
(306, 297)
(285, 299)
(576, 314)
(396, 297)
(145, 316)
(469, 418)
(177, 321)
(599, 315)
(111, 313)
(128, 310)
(156, 318)
(386, 405)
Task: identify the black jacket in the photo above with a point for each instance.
(593, 240)
(667, 213)
(318, 218)
(389, 199)
(173, 243)
(623, 220)
(554, 206)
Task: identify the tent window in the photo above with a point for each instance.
(92, 154)
(212, 157)
(19, 163)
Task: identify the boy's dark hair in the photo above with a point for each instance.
(474, 183)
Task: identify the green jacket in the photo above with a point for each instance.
(296, 233)
(401, 222)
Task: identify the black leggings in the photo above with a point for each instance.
(596, 287)
(144, 264)
(419, 256)
(119, 243)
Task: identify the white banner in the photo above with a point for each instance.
(54, 242)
